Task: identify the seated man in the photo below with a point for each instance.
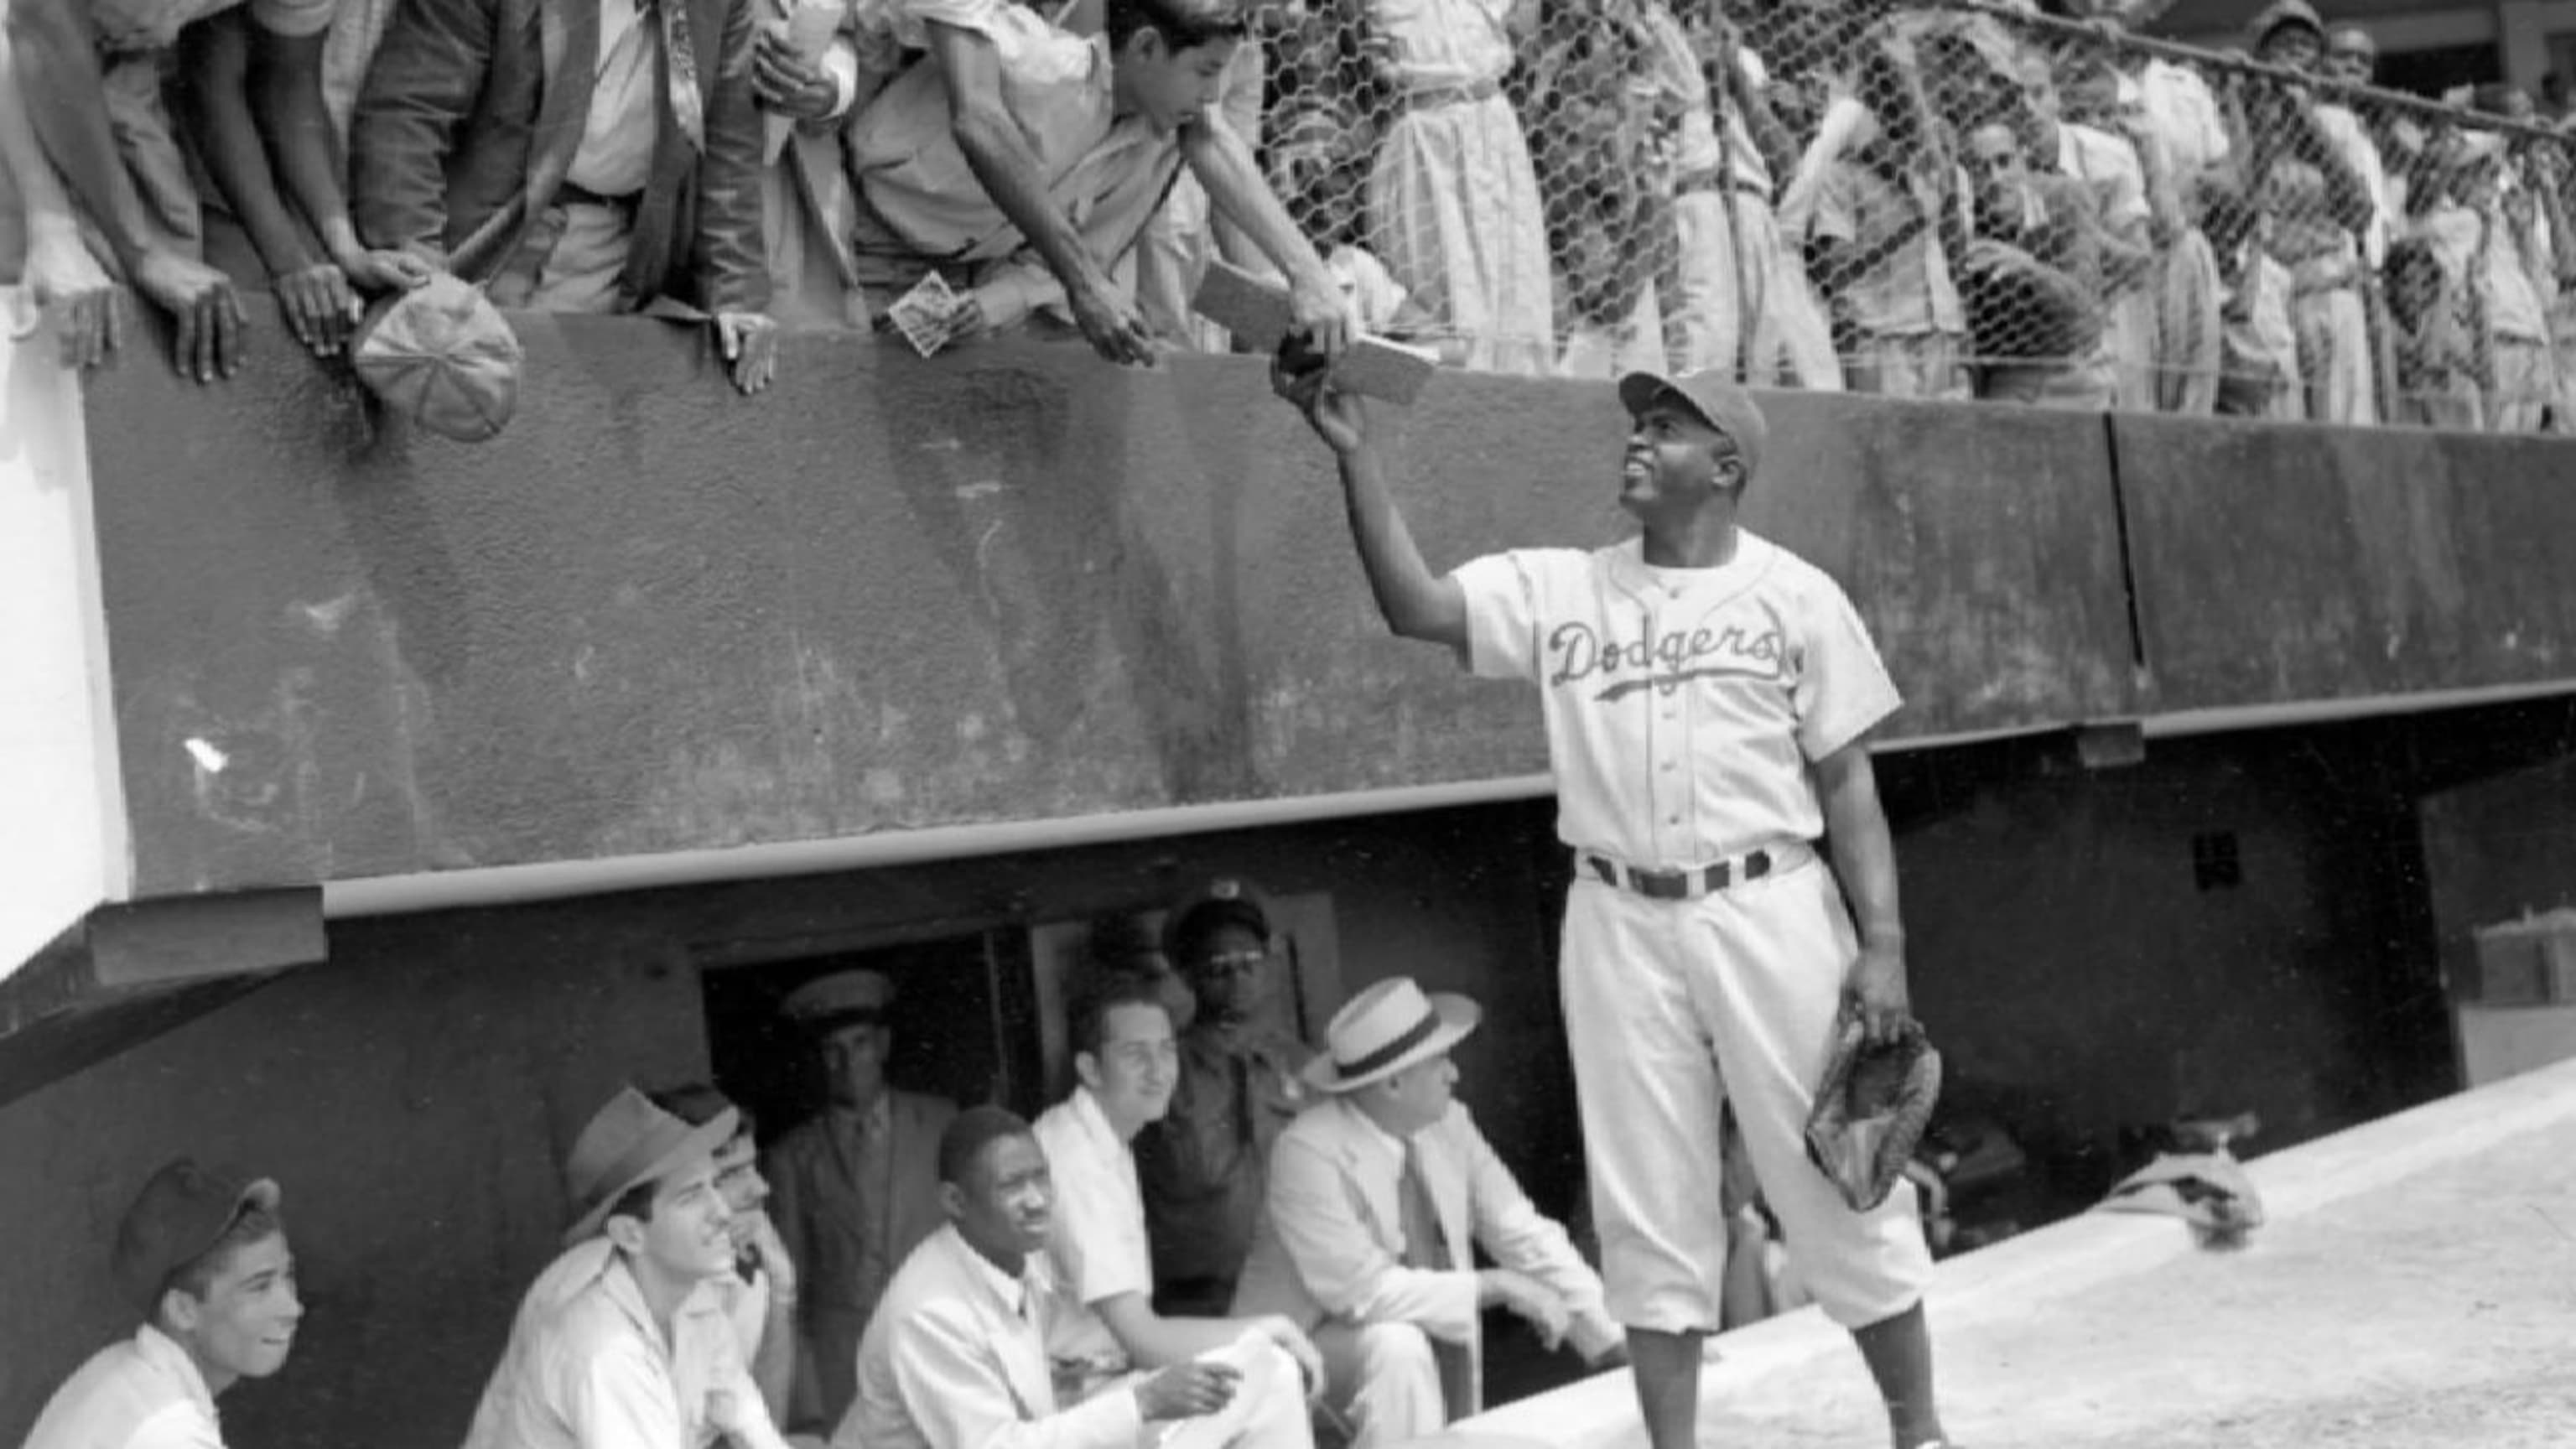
(204, 1259)
(759, 1296)
(1022, 161)
(618, 1346)
(1126, 1061)
(957, 1356)
(1378, 1199)
(606, 158)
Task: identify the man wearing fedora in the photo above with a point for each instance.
(854, 1188)
(618, 1344)
(1379, 1196)
(960, 1358)
(203, 1257)
(1708, 698)
(1205, 1165)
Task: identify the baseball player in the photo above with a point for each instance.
(1707, 695)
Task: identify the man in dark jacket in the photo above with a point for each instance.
(575, 156)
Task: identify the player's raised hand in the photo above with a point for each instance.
(1340, 418)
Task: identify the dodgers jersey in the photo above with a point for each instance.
(1684, 706)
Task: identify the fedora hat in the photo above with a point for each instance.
(628, 1143)
(1385, 1029)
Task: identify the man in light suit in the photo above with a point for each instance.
(853, 1190)
(1378, 1197)
(574, 156)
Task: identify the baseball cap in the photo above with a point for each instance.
(442, 355)
(177, 1218)
(1714, 397)
(2286, 12)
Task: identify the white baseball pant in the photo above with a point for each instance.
(1674, 1008)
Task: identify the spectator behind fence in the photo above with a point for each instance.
(61, 281)
(1603, 158)
(2490, 239)
(276, 215)
(1887, 217)
(2258, 374)
(1453, 200)
(610, 167)
(1318, 165)
(2031, 278)
(1740, 299)
(2324, 193)
(1021, 162)
(2436, 344)
(1879, 239)
(2169, 112)
(2115, 181)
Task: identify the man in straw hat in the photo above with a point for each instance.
(203, 1258)
(1379, 1197)
(854, 1188)
(1708, 697)
(618, 1345)
(959, 1358)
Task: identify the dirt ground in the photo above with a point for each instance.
(2439, 1311)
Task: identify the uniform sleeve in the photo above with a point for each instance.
(1504, 591)
(1843, 687)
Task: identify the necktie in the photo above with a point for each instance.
(1426, 1249)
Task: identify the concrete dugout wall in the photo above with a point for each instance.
(1010, 584)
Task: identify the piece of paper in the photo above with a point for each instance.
(923, 315)
(1395, 371)
(1254, 309)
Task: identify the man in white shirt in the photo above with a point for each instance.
(619, 1344)
(204, 1258)
(1126, 1061)
(957, 1355)
(1379, 1197)
(759, 1296)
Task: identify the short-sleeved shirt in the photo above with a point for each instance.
(138, 1393)
(1910, 292)
(2108, 165)
(134, 25)
(1096, 1241)
(1107, 172)
(1684, 707)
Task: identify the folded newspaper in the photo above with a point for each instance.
(1257, 311)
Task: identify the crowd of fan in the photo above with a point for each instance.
(1955, 199)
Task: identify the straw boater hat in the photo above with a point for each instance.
(1385, 1029)
(629, 1143)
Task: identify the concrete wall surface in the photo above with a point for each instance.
(1011, 584)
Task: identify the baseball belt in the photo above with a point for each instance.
(1684, 885)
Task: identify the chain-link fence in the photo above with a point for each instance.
(1944, 200)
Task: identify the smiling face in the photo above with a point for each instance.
(1675, 462)
(243, 1325)
(1135, 1066)
(1007, 1201)
(2294, 46)
(1171, 88)
(689, 1233)
(2351, 56)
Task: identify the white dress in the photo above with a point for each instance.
(1453, 203)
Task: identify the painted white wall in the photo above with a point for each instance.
(62, 815)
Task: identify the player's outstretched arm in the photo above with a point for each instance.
(1415, 602)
